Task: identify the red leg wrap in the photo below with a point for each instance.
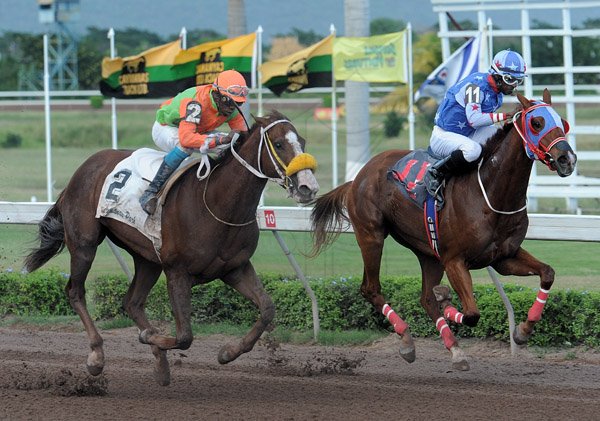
(535, 312)
(400, 325)
(450, 313)
(445, 333)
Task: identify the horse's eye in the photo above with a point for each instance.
(278, 145)
(537, 125)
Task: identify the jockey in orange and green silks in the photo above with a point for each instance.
(187, 122)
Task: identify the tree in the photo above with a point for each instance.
(305, 38)
(21, 53)
(382, 26)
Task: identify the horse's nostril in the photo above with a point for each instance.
(305, 191)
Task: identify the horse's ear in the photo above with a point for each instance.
(260, 120)
(546, 97)
(524, 101)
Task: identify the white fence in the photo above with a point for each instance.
(283, 218)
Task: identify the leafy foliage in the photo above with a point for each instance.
(382, 26)
(393, 124)
(39, 293)
(12, 140)
(569, 317)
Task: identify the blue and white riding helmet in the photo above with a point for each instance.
(511, 66)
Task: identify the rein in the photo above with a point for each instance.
(231, 224)
(485, 196)
(299, 162)
(531, 142)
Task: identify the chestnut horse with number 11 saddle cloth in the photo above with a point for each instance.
(483, 223)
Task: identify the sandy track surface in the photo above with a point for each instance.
(42, 376)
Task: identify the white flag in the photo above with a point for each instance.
(459, 65)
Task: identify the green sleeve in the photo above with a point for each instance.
(169, 113)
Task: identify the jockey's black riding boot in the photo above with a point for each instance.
(149, 199)
(443, 169)
(169, 164)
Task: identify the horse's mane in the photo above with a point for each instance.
(492, 145)
(226, 155)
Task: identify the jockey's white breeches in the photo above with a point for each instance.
(165, 137)
(443, 143)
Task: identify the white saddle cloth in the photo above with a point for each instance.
(122, 190)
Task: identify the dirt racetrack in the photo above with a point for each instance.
(43, 377)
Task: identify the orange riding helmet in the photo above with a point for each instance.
(232, 84)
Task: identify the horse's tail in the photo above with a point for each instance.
(329, 218)
(51, 236)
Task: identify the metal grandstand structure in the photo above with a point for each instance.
(60, 18)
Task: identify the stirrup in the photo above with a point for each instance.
(432, 183)
(149, 201)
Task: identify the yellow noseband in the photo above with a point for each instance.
(304, 161)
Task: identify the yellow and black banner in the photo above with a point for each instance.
(166, 70)
(307, 68)
(200, 65)
(149, 74)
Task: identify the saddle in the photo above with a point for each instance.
(123, 187)
(408, 174)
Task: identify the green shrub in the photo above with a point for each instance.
(12, 140)
(393, 124)
(38, 293)
(569, 316)
(96, 102)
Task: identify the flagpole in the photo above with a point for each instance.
(334, 158)
(259, 32)
(183, 38)
(411, 112)
(113, 100)
(490, 28)
(47, 120)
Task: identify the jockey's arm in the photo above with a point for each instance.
(478, 119)
(472, 100)
(190, 112)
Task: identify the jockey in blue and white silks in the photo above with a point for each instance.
(467, 117)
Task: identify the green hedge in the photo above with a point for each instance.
(569, 316)
(39, 293)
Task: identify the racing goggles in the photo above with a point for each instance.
(234, 90)
(511, 80)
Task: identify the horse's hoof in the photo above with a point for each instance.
(459, 359)
(407, 347)
(441, 293)
(162, 377)
(95, 363)
(226, 354)
(162, 373)
(144, 336)
(461, 365)
(519, 336)
(409, 355)
(94, 370)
